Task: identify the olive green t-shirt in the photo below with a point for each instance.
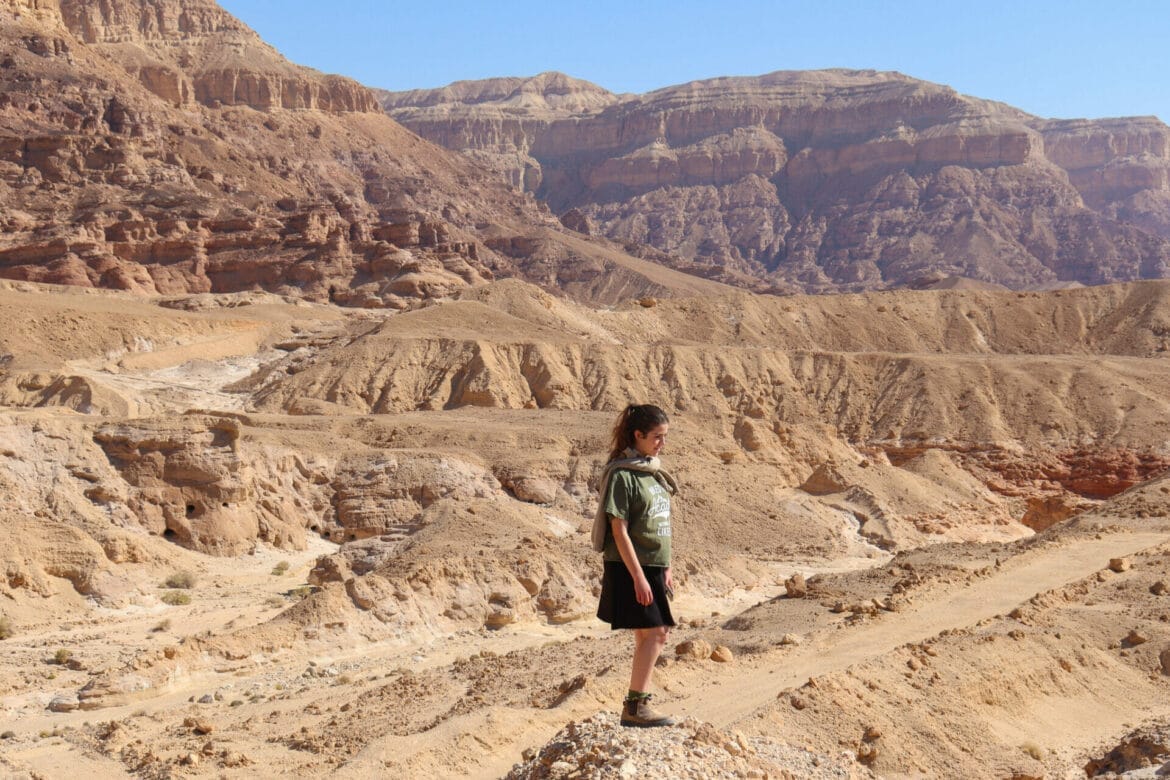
(639, 499)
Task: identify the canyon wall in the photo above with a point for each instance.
(163, 147)
(824, 180)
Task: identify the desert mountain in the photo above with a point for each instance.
(308, 492)
(824, 180)
(165, 148)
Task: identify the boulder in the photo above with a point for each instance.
(722, 654)
(694, 649)
(796, 587)
(65, 702)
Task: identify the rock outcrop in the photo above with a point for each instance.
(826, 180)
(192, 51)
(163, 147)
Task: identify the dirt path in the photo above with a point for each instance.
(736, 696)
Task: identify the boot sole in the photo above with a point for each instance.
(640, 725)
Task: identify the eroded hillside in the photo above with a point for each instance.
(165, 148)
(382, 516)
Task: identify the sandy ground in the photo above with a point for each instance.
(409, 592)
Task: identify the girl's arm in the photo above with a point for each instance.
(625, 548)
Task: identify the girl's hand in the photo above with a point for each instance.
(642, 591)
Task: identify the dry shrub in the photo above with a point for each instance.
(180, 579)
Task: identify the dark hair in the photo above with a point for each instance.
(635, 417)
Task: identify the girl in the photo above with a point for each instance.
(632, 529)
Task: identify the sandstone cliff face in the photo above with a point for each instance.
(162, 147)
(830, 180)
(188, 51)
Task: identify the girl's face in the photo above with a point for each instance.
(652, 441)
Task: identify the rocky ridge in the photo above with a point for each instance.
(165, 148)
(824, 180)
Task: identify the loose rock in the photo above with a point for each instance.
(66, 702)
(697, 649)
(1135, 637)
(796, 586)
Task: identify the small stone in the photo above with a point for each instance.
(698, 649)
(206, 698)
(1135, 637)
(1164, 659)
(721, 654)
(190, 759)
(791, 639)
(798, 703)
(232, 758)
(66, 702)
(1119, 564)
(872, 733)
(1159, 588)
(796, 586)
(914, 664)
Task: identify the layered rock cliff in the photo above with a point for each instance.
(826, 180)
(161, 146)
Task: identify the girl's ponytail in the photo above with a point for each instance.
(635, 417)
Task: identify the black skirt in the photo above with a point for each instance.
(619, 606)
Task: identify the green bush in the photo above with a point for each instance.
(280, 568)
(175, 598)
(62, 656)
(163, 626)
(180, 579)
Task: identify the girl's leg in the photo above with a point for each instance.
(636, 711)
(648, 644)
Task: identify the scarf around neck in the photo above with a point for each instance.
(634, 462)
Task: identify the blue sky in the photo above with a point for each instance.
(1055, 59)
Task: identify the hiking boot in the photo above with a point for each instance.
(638, 713)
